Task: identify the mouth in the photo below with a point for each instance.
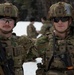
(6, 26)
(60, 26)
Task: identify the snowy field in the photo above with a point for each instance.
(20, 29)
(30, 68)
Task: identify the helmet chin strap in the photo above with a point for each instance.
(6, 32)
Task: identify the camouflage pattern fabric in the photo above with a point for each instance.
(61, 9)
(40, 72)
(20, 51)
(42, 44)
(60, 49)
(29, 47)
(31, 31)
(8, 9)
(45, 28)
(14, 51)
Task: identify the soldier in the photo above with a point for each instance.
(31, 30)
(46, 26)
(12, 53)
(58, 56)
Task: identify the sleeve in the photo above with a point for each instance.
(29, 31)
(42, 44)
(29, 47)
(43, 29)
(44, 47)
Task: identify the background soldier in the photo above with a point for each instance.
(58, 57)
(31, 30)
(12, 53)
(46, 26)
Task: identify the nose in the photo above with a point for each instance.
(7, 21)
(60, 21)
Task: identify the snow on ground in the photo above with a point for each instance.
(31, 67)
(21, 26)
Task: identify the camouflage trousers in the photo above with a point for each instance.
(42, 72)
(54, 73)
(60, 73)
(19, 71)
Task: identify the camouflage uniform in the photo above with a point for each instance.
(31, 31)
(19, 50)
(45, 28)
(46, 52)
(29, 47)
(54, 60)
(42, 44)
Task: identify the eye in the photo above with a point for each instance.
(10, 19)
(3, 19)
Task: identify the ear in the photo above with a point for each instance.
(70, 21)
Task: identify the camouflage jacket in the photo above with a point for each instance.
(61, 46)
(45, 28)
(20, 50)
(31, 31)
(29, 47)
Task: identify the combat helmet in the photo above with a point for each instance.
(61, 9)
(8, 10)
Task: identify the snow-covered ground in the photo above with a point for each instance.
(31, 67)
(20, 29)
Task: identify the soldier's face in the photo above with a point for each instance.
(61, 24)
(6, 24)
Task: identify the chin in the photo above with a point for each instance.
(60, 31)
